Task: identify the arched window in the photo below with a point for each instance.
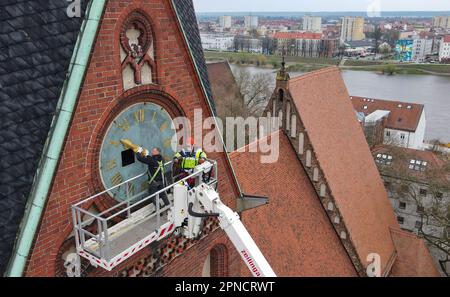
(280, 95)
(216, 262)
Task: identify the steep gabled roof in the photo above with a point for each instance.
(340, 147)
(292, 231)
(188, 20)
(37, 40)
(403, 116)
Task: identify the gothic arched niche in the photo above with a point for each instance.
(137, 52)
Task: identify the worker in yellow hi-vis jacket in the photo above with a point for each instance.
(187, 158)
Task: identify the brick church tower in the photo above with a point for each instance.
(129, 57)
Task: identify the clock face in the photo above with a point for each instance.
(145, 124)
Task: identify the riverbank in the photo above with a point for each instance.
(300, 64)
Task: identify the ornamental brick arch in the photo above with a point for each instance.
(135, 48)
(150, 94)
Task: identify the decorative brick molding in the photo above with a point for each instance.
(138, 54)
(311, 165)
(166, 251)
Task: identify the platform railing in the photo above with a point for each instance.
(83, 219)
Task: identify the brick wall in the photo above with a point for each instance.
(102, 95)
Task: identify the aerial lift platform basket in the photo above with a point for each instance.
(112, 236)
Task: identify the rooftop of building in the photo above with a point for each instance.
(321, 98)
(409, 162)
(293, 230)
(403, 115)
(413, 258)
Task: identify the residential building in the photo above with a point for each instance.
(303, 44)
(251, 22)
(312, 23)
(442, 22)
(352, 29)
(245, 43)
(412, 180)
(217, 41)
(444, 49)
(421, 49)
(225, 22)
(404, 126)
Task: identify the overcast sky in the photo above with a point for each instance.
(319, 5)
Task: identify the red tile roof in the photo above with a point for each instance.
(413, 258)
(400, 118)
(297, 35)
(292, 231)
(322, 101)
(406, 155)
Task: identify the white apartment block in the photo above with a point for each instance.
(251, 22)
(441, 22)
(444, 49)
(352, 29)
(225, 21)
(217, 42)
(312, 23)
(421, 48)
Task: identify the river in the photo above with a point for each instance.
(431, 90)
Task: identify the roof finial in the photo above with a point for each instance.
(282, 73)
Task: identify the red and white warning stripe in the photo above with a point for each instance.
(161, 233)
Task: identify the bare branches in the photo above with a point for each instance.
(255, 89)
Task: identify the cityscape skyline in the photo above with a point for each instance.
(204, 6)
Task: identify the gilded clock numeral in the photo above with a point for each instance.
(164, 126)
(116, 179)
(124, 125)
(111, 164)
(114, 143)
(139, 116)
(154, 116)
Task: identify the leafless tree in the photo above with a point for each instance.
(255, 89)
